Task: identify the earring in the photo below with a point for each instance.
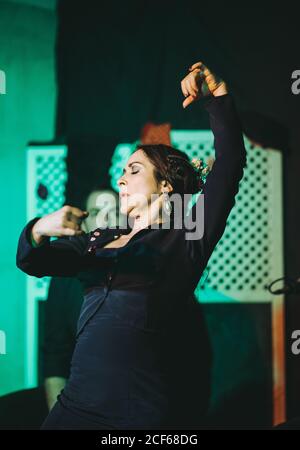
(167, 206)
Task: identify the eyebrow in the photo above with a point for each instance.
(131, 164)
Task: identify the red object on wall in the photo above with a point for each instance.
(156, 133)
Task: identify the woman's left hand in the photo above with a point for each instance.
(201, 82)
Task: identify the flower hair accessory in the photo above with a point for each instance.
(197, 165)
(202, 169)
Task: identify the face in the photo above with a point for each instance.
(137, 184)
(102, 206)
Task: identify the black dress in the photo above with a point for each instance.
(141, 358)
(62, 310)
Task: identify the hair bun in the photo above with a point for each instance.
(192, 172)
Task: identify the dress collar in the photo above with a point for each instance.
(101, 236)
(156, 226)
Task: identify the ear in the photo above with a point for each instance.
(165, 186)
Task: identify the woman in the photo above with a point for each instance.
(132, 365)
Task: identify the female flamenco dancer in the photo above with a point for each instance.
(132, 366)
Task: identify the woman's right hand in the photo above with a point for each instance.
(201, 82)
(66, 221)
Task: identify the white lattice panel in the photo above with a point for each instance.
(46, 179)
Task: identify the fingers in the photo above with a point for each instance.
(73, 211)
(188, 101)
(189, 85)
(190, 90)
(197, 65)
(71, 221)
(200, 67)
(200, 82)
(73, 214)
(184, 88)
(79, 213)
(71, 224)
(211, 81)
(195, 76)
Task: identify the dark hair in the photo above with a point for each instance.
(174, 166)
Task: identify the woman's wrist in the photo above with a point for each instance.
(37, 236)
(221, 90)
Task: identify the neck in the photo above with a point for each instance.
(143, 220)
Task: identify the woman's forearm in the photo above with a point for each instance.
(61, 257)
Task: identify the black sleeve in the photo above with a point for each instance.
(59, 341)
(61, 257)
(222, 183)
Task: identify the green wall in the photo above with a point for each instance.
(27, 42)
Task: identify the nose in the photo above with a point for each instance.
(121, 181)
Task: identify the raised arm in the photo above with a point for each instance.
(38, 256)
(222, 183)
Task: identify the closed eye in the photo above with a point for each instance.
(132, 165)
